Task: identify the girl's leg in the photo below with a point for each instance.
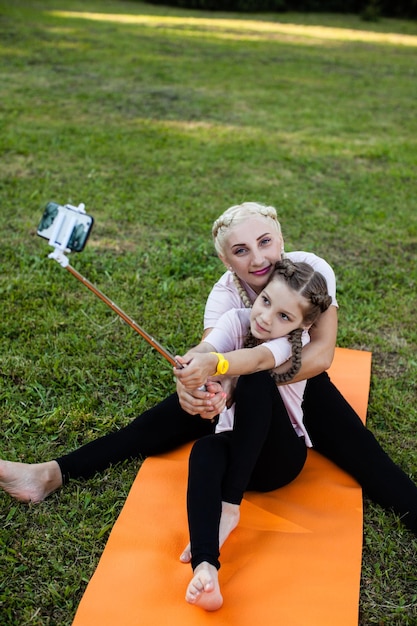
(266, 452)
(263, 452)
(338, 433)
(207, 465)
(160, 429)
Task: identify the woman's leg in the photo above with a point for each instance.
(160, 429)
(266, 452)
(338, 433)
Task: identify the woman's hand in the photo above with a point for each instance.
(228, 385)
(206, 403)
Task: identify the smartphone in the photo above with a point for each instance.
(66, 227)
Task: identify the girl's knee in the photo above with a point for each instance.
(206, 448)
(202, 445)
(254, 384)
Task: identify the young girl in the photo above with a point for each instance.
(263, 448)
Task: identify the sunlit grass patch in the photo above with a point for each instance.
(241, 29)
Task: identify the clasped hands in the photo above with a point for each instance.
(198, 393)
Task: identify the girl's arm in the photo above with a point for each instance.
(317, 356)
(201, 364)
(207, 402)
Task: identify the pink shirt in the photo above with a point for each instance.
(224, 297)
(228, 335)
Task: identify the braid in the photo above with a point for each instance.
(296, 345)
(250, 341)
(241, 291)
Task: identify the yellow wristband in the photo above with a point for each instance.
(222, 364)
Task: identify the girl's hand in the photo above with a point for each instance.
(196, 370)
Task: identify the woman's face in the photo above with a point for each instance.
(252, 248)
(277, 311)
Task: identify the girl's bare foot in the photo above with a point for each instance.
(228, 521)
(204, 589)
(185, 556)
(30, 482)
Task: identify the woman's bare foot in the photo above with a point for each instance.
(30, 482)
(228, 521)
(204, 589)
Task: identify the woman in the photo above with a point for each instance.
(248, 240)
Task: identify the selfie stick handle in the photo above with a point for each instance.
(59, 256)
(153, 342)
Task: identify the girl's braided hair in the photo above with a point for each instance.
(312, 286)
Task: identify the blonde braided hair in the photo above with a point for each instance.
(236, 215)
(242, 291)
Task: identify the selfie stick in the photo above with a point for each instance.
(59, 255)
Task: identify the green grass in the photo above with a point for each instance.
(158, 127)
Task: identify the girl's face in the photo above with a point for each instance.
(276, 311)
(252, 249)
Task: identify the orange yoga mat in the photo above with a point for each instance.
(294, 559)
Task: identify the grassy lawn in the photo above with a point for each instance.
(158, 123)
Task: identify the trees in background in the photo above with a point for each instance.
(369, 9)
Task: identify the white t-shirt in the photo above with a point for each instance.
(228, 335)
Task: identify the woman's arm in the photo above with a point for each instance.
(317, 356)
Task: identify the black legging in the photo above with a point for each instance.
(338, 433)
(335, 429)
(262, 453)
(162, 428)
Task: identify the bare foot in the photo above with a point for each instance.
(185, 556)
(30, 482)
(228, 521)
(204, 590)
